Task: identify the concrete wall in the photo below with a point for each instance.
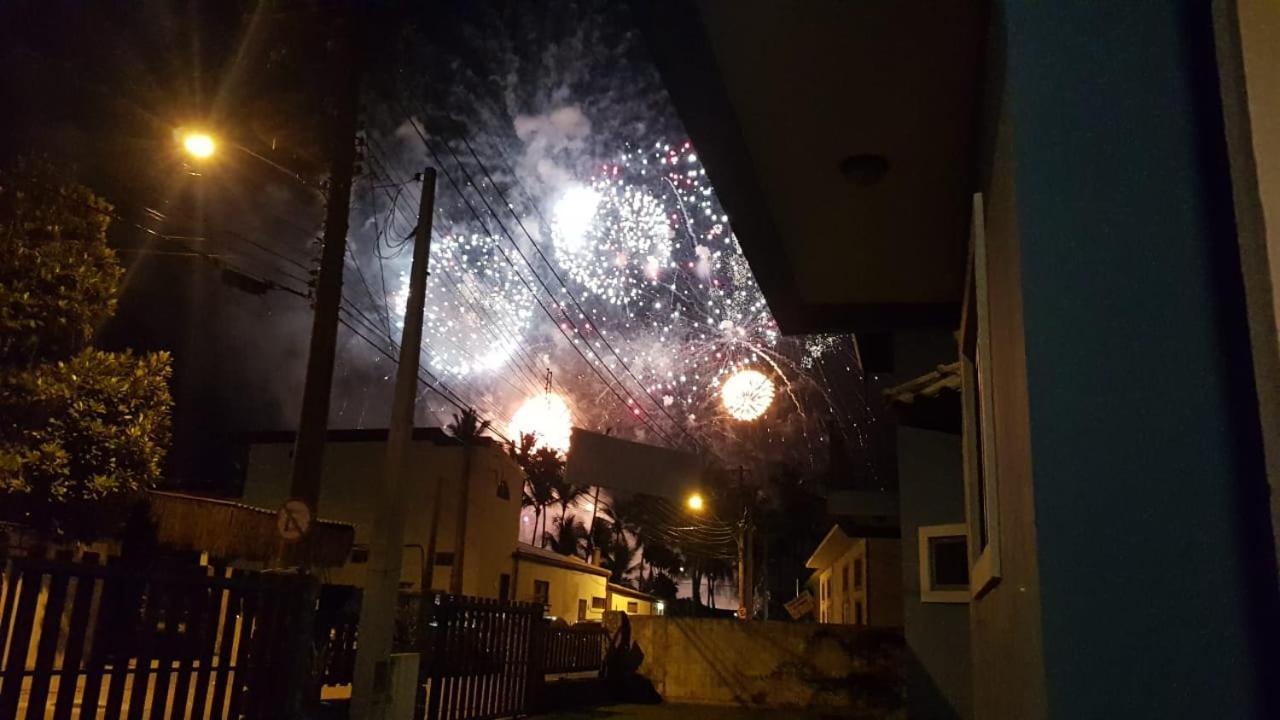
(771, 664)
(931, 486)
(567, 587)
(1249, 67)
(1144, 440)
(1005, 629)
(351, 468)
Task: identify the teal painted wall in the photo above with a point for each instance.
(1155, 558)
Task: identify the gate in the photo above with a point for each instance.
(80, 639)
(481, 658)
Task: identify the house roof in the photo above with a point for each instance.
(930, 401)
(632, 592)
(840, 538)
(872, 104)
(230, 529)
(946, 378)
(543, 556)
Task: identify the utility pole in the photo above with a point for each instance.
(313, 425)
(371, 688)
(746, 554)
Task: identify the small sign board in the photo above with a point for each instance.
(800, 606)
(293, 519)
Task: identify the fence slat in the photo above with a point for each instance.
(152, 609)
(50, 629)
(16, 659)
(76, 632)
(232, 616)
(190, 645)
(211, 613)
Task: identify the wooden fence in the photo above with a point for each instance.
(86, 640)
(482, 658)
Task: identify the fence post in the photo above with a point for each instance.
(301, 678)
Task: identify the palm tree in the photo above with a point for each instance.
(468, 428)
(543, 469)
(618, 554)
(569, 536)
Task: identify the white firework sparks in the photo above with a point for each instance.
(477, 312)
(611, 238)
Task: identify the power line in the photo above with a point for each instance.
(475, 213)
(590, 323)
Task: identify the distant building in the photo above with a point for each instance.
(858, 573)
(353, 465)
(570, 588)
(634, 602)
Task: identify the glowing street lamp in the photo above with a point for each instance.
(199, 145)
(694, 502)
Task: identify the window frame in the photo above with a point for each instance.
(926, 533)
(981, 477)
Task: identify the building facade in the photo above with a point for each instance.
(570, 588)
(354, 461)
(858, 577)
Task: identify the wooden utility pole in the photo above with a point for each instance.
(371, 689)
(746, 556)
(308, 452)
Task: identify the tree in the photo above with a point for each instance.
(83, 432)
(468, 428)
(569, 536)
(542, 468)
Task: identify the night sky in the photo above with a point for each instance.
(102, 87)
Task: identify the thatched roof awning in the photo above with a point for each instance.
(235, 531)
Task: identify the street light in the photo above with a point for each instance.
(199, 145)
(694, 502)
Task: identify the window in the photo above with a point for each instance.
(504, 587)
(857, 613)
(582, 609)
(359, 554)
(981, 481)
(598, 603)
(857, 574)
(633, 607)
(944, 563)
(844, 578)
(542, 592)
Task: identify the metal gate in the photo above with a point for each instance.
(482, 658)
(85, 639)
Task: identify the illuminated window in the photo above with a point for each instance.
(542, 592)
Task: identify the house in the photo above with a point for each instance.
(570, 588)
(1083, 194)
(634, 602)
(354, 459)
(858, 573)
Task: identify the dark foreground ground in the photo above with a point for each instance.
(678, 712)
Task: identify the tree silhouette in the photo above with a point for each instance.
(82, 431)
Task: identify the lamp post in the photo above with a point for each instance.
(696, 504)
